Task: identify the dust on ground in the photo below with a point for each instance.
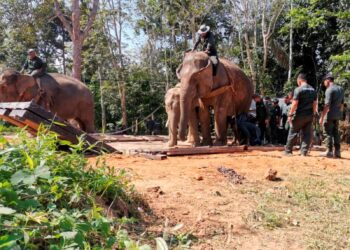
(308, 207)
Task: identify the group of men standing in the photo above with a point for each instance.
(304, 109)
(297, 114)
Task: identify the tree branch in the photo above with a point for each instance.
(64, 21)
(91, 18)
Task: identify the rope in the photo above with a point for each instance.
(132, 126)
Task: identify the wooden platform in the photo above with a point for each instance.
(31, 116)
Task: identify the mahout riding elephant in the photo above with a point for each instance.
(229, 93)
(172, 107)
(65, 96)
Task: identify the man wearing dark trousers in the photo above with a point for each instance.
(262, 115)
(300, 116)
(275, 119)
(332, 113)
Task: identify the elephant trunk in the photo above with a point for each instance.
(186, 98)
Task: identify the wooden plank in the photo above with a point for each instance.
(266, 148)
(34, 121)
(205, 150)
(154, 156)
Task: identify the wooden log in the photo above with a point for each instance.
(205, 150)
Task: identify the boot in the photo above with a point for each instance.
(337, 154)
(328, 154)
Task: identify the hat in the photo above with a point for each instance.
(203, 29)
(31, 50)
(328, 76)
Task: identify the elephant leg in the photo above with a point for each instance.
(173, 122)
(204, 117)
(85, 125)
(193, 136)
(220, 126)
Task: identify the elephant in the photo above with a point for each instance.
(172, 107)
(229, 93)
(65, 96)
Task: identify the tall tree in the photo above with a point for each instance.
(75, 30)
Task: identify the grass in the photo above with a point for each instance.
(319, 208)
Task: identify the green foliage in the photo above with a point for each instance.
(51, 199)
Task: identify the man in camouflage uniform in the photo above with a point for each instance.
(332, 113)
(33, 65)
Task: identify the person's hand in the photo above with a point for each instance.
(206, 51)
(321, 121)
(267, 122)
(289, 120)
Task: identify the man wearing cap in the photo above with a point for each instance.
(33, 65)
(300, 116)
(331, 114)
(206, 37)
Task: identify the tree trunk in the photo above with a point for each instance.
(122, 94)
(103, 107)
(290, 46)
(77, 34)
(250, 60)
(77, 59)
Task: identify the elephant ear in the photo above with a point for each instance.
(24, 83)
(204, 79)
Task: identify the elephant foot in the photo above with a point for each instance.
(220, 143)
(195, 144)
(207, 142)
(171, 144)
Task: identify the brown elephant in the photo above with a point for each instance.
(65, 96)
(172, 107)
(229, 93)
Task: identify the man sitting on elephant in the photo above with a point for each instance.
(206, 37)
(33, 65)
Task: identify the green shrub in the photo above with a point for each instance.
(50, 199)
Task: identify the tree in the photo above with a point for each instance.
(76, 32)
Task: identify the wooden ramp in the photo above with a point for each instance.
(31, 116)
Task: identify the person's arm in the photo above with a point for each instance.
(197, 43)
(24, 67)
(292, 110)
(327, 101)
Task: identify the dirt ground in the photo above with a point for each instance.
(216, 213)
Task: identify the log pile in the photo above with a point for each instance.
(31, 116)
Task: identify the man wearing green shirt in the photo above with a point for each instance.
(332, 113)
(33, 65)
(300, 116)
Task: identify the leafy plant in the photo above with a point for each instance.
(51, 199)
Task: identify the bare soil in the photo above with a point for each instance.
(249, 212)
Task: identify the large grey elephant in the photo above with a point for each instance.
(229, 92)
(65, 96)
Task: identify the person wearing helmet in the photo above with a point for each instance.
(207, 39)
(33, 65)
